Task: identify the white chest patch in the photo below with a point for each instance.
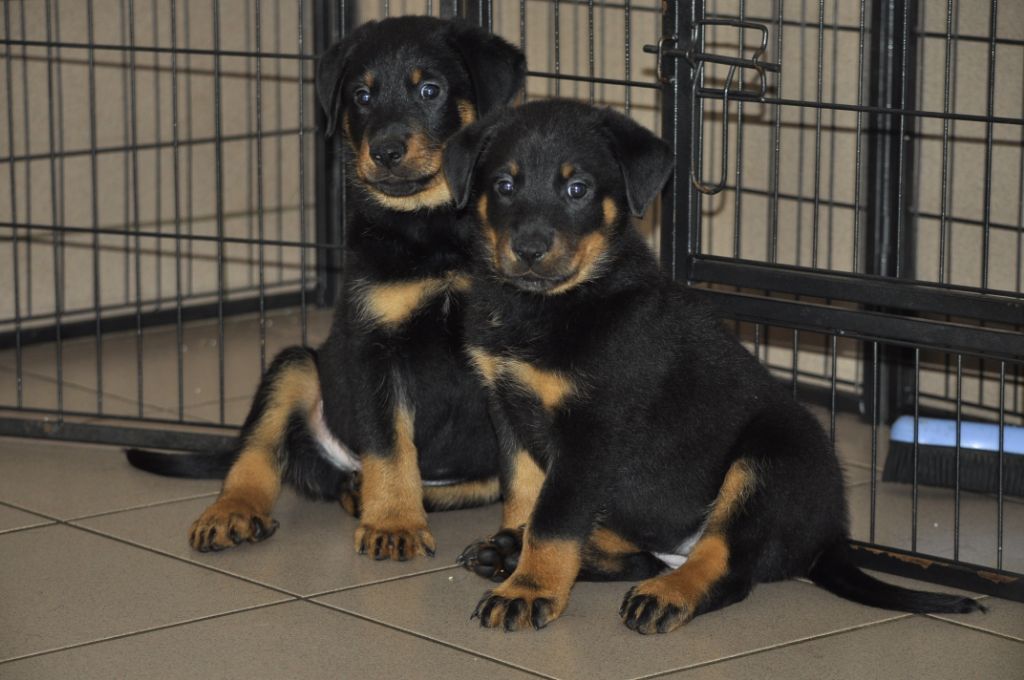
(678, 557)
(334, 451)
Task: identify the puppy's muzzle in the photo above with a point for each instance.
(388, 152)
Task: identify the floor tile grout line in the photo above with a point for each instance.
(176, 624)
(162, 553)
(144, 506)
(14, 530)
(427, 638)
(989, 631)
(69, 523)
(768, 648)
(389, 579)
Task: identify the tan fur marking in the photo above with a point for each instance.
(551, 387)
(461, 282)
(589, 254)
(368, 79)
(524, 487)
(739, 482)
(688, 585)
(610, 543)
(423, 157)
(567, 169)
(253, 483)
(467, 112)
(464, 494)
(436, 193)
(495, 243)
(391, 304)
(296, 387)
(547, 565)
(547, 569)
(486, 364)
(391, 492)
(610, 210)
(513, 168)
(416, 76)
(346, 126)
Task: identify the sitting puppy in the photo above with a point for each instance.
(387, 415)
(631, 422)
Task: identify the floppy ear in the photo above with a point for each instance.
(645, 160)
(461, 154)
(330, 74)
(495, 67)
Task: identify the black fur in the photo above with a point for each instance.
(665, 400)
(402, 229)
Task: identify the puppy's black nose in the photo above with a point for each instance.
(531, 249)
(388, 153)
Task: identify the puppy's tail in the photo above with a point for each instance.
(214, 465)
(835, 571)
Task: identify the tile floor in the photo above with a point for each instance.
(98, 581)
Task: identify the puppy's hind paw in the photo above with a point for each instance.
(494, 558)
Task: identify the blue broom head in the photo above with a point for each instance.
(973, 435)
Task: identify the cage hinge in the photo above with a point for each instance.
(691, 50)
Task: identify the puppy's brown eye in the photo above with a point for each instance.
(430, 90)
(362, 96)
(576, 190)
(505, 187)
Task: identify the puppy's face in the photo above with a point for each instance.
(399, 88)
(548, 203)
(553, 184)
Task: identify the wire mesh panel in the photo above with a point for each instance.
(849, 189)
(854, 191)
(822, 175)
(170, 216)
(157, 162)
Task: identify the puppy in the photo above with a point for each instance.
(387, 415)
(631, 423)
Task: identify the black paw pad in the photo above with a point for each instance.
(494, 558)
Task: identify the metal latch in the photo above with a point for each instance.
(691, 51)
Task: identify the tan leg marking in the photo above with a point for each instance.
(740, 481)
(538, 591)
(665, 602)
(604, 551)
(242, 511)
(393, 523)
(523, 490)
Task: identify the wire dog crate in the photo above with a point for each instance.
(849, 189)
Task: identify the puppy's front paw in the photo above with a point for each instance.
(394, 542)
(494, 558)
(228, 522)
(516, 607)
(648, 608)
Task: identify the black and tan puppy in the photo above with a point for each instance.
(631, 423)
(387, 415)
